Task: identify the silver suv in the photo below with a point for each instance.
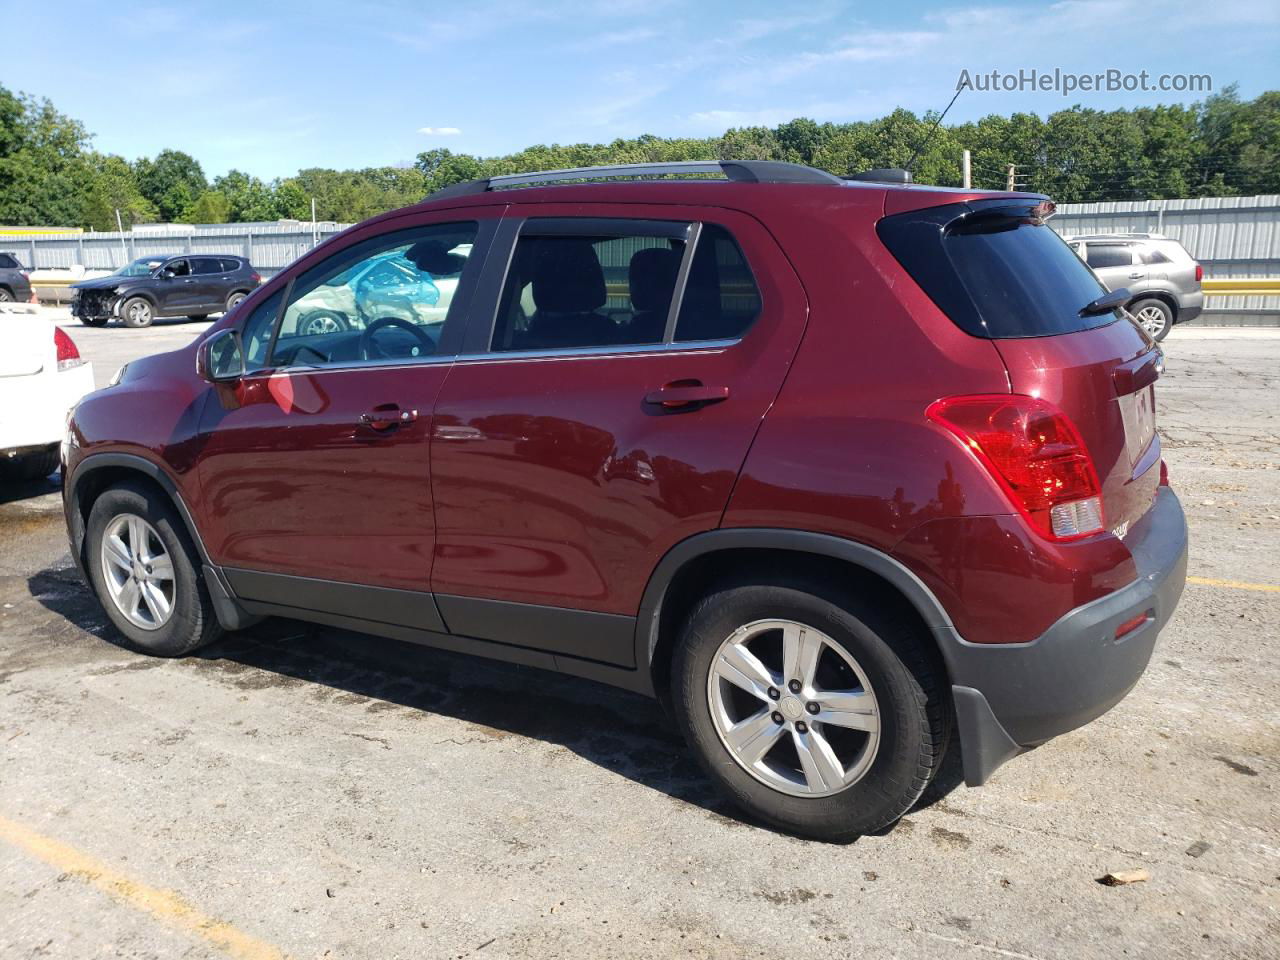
(1163, 278)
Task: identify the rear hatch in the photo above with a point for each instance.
(999, 272)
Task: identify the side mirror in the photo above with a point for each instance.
(220, 359)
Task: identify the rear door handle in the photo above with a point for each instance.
(686, 393)
(387, 416)
(1136, 276)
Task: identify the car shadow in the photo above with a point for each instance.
(622, 732)
(13, 491)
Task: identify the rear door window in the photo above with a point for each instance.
(721, 299)
(995, 268)
(1102, 255)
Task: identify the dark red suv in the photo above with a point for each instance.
(830, 466)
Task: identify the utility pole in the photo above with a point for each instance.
(965, 170)
(123, 248)
(315, 236)
(1012, 178)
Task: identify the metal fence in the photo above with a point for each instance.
(1230, 236)
(268, 246)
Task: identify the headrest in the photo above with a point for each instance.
(433, 256)
(567, 277)
(652, 278)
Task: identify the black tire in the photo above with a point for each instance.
(198, 317)
(1154, 316)
(6, 295)
(94, 321)
(137, 312)
(31, 466)
(192, 623)
(234, 299)
(903, 671)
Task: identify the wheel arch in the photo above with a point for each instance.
(1164, 297)
(99, 471)
(695, 563)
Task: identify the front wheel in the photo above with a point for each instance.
(1154, 316)
(822, 714)
(137, 312)
(146, 572)
(94, 321)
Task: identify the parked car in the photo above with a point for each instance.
(826, 515)
(1162, 278)
(42, 375)
(15, 280)
(150, 287)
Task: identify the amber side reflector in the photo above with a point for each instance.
(1131, 625)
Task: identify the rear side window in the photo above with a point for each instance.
(721, 299)
(7, 262)
(1102, 255)
(1152, 255)
(995, 268)
(575, 290)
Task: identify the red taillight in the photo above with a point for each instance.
(1199, 273)
(1164, 474)
(1035, 453)
(257, 279)
(68, 355)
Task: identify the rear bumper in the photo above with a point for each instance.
(1190, 306)
(1011, 697)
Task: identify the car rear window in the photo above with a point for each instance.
(995, 268)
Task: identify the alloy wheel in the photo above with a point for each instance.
(1152, 319)
(138, 571)
(793, 708)
(140, 312)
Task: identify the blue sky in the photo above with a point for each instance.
(272, 87)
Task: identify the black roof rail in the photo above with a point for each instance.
(883, 175)
(741, 171)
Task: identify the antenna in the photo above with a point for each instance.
(932, 130)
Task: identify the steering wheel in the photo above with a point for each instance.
(369, 349)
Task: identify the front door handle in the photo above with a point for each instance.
(387, 416)
(685, 393)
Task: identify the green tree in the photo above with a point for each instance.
(114, 188)
(172, 181)
(212, 206)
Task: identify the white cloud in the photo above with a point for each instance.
(440, 131)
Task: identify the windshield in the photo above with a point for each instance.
(995, 271)
(139, 268)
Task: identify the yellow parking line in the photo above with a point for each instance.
(163, 905)
(1235, 584)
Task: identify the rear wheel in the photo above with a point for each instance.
(137, 312)
(234, 300)
(6, 295)
(822, 714)
(31, 466)
(1154, 316)
(146, 572)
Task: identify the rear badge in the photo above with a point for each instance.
(1120, 531)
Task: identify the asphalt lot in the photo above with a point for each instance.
(300, 791)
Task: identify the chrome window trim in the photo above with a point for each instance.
(628, 350)
(606, 350)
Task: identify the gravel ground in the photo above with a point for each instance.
(305, 792)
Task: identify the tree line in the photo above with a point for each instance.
(50, 175)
